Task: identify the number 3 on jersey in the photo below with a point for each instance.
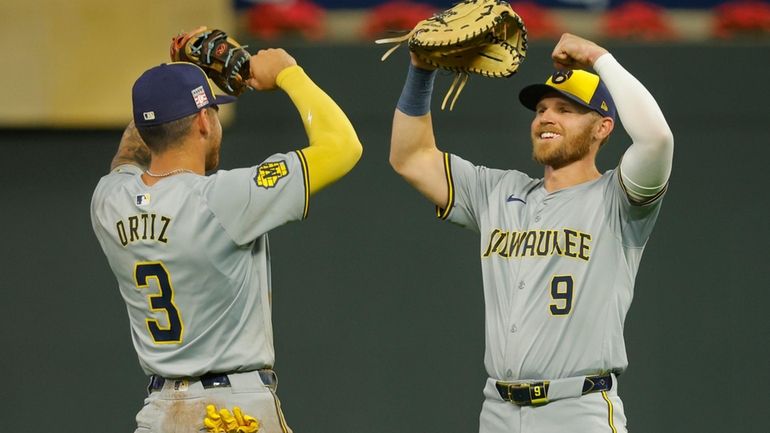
(561, 293)
(161, 301)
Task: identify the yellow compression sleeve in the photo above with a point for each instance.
(334, 146)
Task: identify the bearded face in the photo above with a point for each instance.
(559, 149)
(562, 132)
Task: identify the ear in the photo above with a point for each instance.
(604, 128)
(203, 122)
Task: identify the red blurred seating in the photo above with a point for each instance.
(273, 20)
(742, 18)
(638, 20)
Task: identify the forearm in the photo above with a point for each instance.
(646, 164)
(334, 146)
(413, 151)
(412, 125)
(131, 150)
(411, 136)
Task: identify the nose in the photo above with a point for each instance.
(544, 116)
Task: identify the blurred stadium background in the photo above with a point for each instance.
(89, 51)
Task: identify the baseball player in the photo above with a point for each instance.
(559, 254)
(190, 251)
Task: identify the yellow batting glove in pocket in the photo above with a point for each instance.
(246, 423)
(212, 421)
(223, 421)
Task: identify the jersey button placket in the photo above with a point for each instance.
(539, 211)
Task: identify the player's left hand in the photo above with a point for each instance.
(574, 52)
(223, 421)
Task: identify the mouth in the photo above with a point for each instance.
(547, 135)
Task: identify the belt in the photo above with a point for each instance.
(211, 380)
(536, 393)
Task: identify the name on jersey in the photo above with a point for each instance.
(539, 243)
(143, 227)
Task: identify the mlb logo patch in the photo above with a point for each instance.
(143, 199)
(199, 95)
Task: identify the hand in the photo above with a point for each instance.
(265, 67)
(573, 52)
(419, 63)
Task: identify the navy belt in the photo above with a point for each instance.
(211, 380)
(536, 393)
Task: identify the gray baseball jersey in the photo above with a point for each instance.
(558, 268)
(192, 263)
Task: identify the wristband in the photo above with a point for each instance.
(416, 94)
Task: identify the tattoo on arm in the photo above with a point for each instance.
(132, 149)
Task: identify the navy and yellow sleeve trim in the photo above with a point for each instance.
(306, 182)
(648, 200)
(443, 213)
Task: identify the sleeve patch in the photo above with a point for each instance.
(269, 173)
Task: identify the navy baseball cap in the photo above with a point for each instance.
(172, 91)
(583, 87)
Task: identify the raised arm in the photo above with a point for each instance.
(131, 150)
(413, 151)
(646, 164)
(334, 146)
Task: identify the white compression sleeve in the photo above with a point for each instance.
(646, 164)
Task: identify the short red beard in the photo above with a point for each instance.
(570, 151)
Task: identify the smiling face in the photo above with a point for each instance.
(562, 131)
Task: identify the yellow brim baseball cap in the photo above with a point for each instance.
(580, 86)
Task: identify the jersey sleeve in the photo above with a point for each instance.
(249, 202)
(107, 184)
(632, 222)
(469, 187)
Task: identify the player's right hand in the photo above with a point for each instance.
(265, 66)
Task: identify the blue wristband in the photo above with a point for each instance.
(416, 95)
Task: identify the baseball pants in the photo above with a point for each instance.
(597, 412)
(179, 405)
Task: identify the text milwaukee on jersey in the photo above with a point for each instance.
(539, 243)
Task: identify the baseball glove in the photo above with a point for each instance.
(484, 37)
(225, 61)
